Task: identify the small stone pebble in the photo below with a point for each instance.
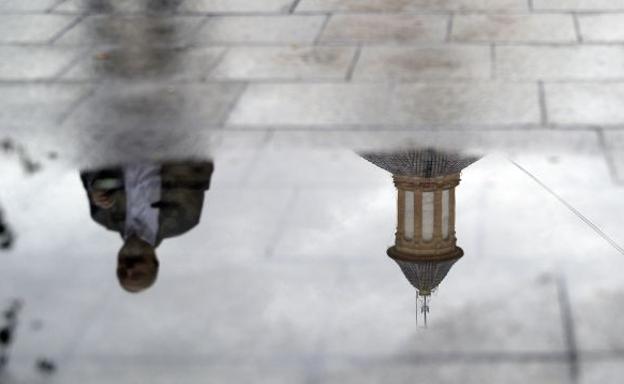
(46, 366)
(102, 56)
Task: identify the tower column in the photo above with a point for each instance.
(426, 217)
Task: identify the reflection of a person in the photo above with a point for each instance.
(146, 203)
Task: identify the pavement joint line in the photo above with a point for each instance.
(354, 62)
(577, 28)
(204, 359)
(222, 55)
(69, 27)
(381, 81)
(423, 12)
(75, 105)
(194, 33)
(493, 62)
(293, 6)
(449, 28)
(58, 3)
(542, 102)
(282, 221)
(569, 329)
(608, 154)
(368, 43)
(79, 58)
(319, 36)
(223, 121)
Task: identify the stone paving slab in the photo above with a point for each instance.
(614, 141)
(129, 30)
(607, 370)
(35, 63)
(116, 6)
(411, 5)
(514, 28)
(379, 104)
(384, 28)
(236, 6)
(567, 63)
(27, 5)
(594, 291)
(136, 63)
(161, 371)
(38, 104)
(480, 141)
(265, 319)
(591, 104)
(149, 107)
(441, 62)
(297, 63)
(578, 5)
(384, 370)
(261, 29)
(430, 41)
(601, 27)
(22, 28)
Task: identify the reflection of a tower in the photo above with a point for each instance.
(425, 243)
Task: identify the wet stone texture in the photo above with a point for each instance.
(100, 82)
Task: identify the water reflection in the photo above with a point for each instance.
(146, 203)
(8, 323)
(425, 243)
(6, 234)
(107, 6)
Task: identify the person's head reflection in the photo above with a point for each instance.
(137, 264)
(146, 203)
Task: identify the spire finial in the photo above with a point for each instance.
(424, 308)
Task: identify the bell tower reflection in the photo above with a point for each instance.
(425, 245)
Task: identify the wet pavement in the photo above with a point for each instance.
(313, 191)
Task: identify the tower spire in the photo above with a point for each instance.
(425, 245)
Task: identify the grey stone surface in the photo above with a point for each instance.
(26, 5)
(383, 28)
(37, 104)
(226, 326)
(146, 62)
(242, 6)
(117, 6)
(601, 27)
(574, 62)
(299, 63)
(338, 310)
(261, 29)
(32, 28)
(614, 141)
(440, 62)
(160, 372)
(377, 104)
(132, 30)
(410, 5)
(591, 103)
(607, 371)
(579, 5)
(383, 370)
(147, 107)
(514, 28)
(34, 63)
(534, 141)
(289, 257)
